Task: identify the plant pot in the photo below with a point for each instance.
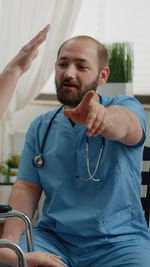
(13, 175)
(2, 178)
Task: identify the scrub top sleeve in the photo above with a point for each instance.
(27, 171)
(136, 107)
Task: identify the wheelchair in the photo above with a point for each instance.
(7, 212)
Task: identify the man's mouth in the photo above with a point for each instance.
(69, 85)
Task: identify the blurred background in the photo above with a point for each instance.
(109, 21)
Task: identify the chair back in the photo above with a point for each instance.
(145, 199)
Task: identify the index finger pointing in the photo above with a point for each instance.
(90, 95)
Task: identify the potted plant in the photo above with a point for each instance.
(3, 172)
(121, 69)
(13, 164)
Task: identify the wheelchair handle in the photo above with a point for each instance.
(4, 243)
(28, 225)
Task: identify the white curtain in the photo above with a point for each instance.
(20, 20)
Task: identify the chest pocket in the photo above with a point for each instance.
(89, 161)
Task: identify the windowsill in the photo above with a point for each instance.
(146, 106)
(46, 102)
(51, 99)
(46, 99)
(144, 99)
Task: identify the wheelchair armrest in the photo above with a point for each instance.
(4, 243)
(7, 212)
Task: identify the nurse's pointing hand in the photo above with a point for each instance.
(89, 113)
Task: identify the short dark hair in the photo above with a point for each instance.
(103, 57)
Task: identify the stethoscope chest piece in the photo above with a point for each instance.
(38, 161)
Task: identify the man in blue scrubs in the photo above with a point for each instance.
(92, 156)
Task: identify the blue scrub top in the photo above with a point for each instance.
(87, 210)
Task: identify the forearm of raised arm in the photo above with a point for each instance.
(121, 124)
(24, 197)
(8, 81)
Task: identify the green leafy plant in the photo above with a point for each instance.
(3, 169)
(13, 161)
(120, 62)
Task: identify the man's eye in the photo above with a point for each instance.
(62, 65)
(81, 67)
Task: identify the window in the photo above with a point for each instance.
(118, 20)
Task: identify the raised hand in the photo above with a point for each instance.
(17, 66)
(22, 61)
(89, 113)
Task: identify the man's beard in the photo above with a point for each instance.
(66, 97)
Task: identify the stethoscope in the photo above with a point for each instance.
(38, 160)
(91, 175)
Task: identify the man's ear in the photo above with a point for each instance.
(103, 76)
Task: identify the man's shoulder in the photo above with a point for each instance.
(44, 118)
(40, 123)
(122, 100)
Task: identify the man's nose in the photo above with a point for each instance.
(70, 72)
